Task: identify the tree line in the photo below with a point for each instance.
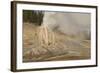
(33, 16)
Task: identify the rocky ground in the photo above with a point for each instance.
(65, 48)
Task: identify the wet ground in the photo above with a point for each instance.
(65, 48)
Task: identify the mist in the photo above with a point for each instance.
(74, 24)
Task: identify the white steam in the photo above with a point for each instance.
(76, 24)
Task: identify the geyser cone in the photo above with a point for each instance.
(46, 36)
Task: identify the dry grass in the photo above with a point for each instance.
(57, 47)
